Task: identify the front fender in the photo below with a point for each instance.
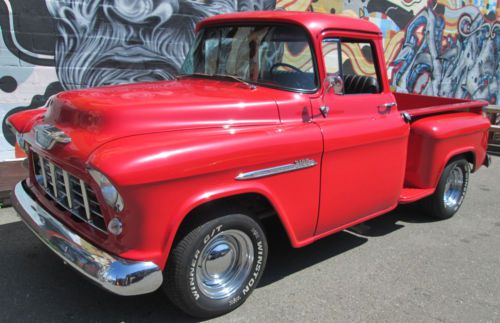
(162, 177)
(159, 157)
(22, 122)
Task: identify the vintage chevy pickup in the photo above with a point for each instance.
(275, 114)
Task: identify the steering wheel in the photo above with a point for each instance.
(271, 70)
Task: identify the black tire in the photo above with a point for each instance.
(200, 249)
(435, 204)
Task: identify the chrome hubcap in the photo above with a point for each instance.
(224, 264)
(454, 188)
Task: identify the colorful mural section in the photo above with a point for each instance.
(444, 47)
(441, 47)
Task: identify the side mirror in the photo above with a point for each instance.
(334, 83)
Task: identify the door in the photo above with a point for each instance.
(365, 138)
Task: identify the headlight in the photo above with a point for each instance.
(108, 191)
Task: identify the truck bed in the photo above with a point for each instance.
(440, 125)
(419, 105)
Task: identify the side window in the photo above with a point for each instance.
(353, 60)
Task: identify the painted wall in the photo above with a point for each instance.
(440, 47)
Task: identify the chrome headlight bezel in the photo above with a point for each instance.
(108, 191)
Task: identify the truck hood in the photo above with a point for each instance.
(94, 116)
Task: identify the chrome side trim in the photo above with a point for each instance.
(298, 164)
(117, 275)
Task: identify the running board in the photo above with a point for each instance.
(409, 195)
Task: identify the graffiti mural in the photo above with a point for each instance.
(436, 47)
(462, 63)
(53, 45)
(122, 41)
(444, 47)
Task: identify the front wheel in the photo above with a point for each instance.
(216, 266)
(450, 192)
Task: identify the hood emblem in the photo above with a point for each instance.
(46, 136)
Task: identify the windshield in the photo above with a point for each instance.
(278, 56)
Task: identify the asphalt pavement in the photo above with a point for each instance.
(400, 267)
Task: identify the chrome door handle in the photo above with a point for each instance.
(386, 108)
(324, 109)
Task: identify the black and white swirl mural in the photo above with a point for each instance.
(117, 41)
(53, 45)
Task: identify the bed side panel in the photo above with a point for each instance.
(435, 140)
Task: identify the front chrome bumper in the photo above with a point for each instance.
(117, 275)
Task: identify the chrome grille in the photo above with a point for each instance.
(70, 192)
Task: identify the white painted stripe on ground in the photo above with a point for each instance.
(8, 215)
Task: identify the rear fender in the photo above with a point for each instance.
(435, 140)
(469, 153)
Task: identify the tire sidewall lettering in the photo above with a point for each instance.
(258, 262)
(246, 288)
(210, 235)
(193, 284)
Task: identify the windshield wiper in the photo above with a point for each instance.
(236, 78)
(226, 76)
(180, 76)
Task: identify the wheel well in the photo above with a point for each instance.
(253, 204)
(469, 156)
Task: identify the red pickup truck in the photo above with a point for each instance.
(275, 114)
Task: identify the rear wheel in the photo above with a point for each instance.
(216, 266)
(451, 190)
